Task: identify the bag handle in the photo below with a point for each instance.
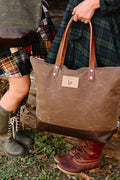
(62, 51)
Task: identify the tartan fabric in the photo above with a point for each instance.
(18, 64)
(106, 25)
(15, 64)
(46, 33)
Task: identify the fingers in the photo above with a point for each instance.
(85, 21)
(74, 11)
(76, 18)
(83, 12)
(82, 20)
(79, 16)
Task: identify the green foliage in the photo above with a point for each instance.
(48, 143)
(38, 162)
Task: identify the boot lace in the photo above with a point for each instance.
(83, 149)
(14, 122)
(73, 149)
(10, 128)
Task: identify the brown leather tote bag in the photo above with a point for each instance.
(81, 103)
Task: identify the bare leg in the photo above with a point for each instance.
(18, 89)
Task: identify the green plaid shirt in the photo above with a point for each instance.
(106, 26)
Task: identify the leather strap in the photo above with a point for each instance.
(62, 51)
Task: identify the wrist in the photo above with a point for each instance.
(95, 3)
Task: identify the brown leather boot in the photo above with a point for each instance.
(88, 158)
(64, 158)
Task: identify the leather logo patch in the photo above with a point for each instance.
(70, 81)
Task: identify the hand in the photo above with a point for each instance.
(85, 10)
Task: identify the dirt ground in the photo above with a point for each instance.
(111, 153)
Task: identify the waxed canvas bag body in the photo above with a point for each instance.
(19, 19)
(82, 103)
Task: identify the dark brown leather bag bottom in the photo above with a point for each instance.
(99, 136)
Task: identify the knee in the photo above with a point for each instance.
(20, 90)
(24, 90)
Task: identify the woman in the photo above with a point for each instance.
(104, 15)
(15, 65)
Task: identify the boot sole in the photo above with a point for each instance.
(24, 145)
(56, 160)
(10, 155)
(66, 172)
(77, 173)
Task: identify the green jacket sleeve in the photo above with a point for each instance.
(109, 6)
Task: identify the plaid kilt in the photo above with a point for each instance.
(106, 26)
(18, 63)
(46, 34)
(14, 64)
